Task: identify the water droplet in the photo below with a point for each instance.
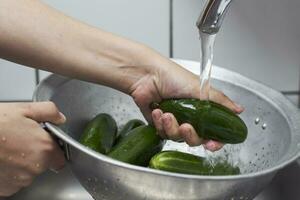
(37, 165)
(89, 179)
(9, 158)
(23, 155)
(3, 139)
(257, 120)
(264, 126)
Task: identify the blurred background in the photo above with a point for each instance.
(259, 38)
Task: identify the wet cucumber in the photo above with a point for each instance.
(132, 124)
(138, 146)
(179, 162)
(210, 120)
(100, 133)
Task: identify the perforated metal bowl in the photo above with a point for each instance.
(273, 141)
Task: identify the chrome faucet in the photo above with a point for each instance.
(212, 16)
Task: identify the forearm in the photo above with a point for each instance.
(36, 35)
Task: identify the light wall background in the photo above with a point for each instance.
(259, 38)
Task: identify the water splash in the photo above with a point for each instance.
(257, 120)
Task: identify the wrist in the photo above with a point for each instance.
(117, 62)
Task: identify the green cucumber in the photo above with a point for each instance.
(100, 133)
(128, 127)
(210, 120)
(138, 147)
(179, 162)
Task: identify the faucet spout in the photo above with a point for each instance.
(212, 16)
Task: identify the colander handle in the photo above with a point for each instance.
(64, 146)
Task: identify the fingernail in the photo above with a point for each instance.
(62, 116)
(238, 106)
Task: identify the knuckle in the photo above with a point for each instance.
(26, 108)
(51, 105)
(34, 125)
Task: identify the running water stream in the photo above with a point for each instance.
(206, 60)
(207, 45)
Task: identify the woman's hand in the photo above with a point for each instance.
(26, 149)
(169, 80)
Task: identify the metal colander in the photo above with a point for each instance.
(273, 141)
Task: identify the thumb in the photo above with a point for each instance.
(43, 112)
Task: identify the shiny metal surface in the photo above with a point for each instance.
(212, 16)
(64, 186)
(264, 152)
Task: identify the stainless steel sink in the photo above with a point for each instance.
(64, 186)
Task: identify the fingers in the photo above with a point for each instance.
(168, 128)
(47, 112)
(188, 133)
(43, 112)
(166, 125)
(212, 145)
(222, 99)
(157, 121)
